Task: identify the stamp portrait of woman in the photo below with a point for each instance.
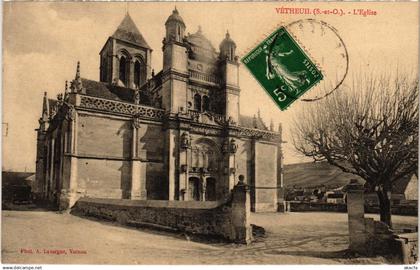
(275, 65)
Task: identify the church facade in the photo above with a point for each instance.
(174, 135)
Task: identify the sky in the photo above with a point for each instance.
(42, 43)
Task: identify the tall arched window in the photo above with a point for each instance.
(206, 103)
(123, 70)
(137, 72)
(197, 102)
(104, 68)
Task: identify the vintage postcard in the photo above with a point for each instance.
(233, 133)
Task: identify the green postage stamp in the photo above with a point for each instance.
(282, 68)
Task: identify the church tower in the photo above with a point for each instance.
(175, 65)
(126, 57)
(175, 27)
(230, 76)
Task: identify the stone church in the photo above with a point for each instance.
(173, 135)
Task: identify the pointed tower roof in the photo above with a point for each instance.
(175, 17)
(128, 31)
(227, 41)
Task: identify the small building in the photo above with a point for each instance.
(335, 197)
(16, 186)
(172, 135)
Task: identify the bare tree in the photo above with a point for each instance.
(369, 129)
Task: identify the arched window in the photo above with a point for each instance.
(232, 54)
(197, 102)
(104, 67)
(203, 156)
(137, 73)
(123, 70)
(206, 103)
(194, 188)
(210, 189)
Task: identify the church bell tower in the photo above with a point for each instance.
(126, 57)
(230, 76)
(175, 65)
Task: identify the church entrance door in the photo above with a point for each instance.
(194, 188)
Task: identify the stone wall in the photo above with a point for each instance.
(383, 241)
(370, 237)
(156, 181)
(402, 209)
(297, 206)
(228, 220)
(104, 136)
(408, 245)
(150, 142)
(104, 177)
(315, 206)
(105, 154)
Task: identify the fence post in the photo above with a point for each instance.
(241, 211)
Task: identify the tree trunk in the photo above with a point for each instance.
(384, 207)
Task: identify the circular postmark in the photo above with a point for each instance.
(326, 49)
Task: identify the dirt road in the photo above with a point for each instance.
(294, 238)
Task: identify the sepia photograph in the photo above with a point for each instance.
(210, 133)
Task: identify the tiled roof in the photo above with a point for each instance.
(15, 178)
(128, 31)
(112, 92)
(248, 121)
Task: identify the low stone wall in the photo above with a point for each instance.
(380, 239)
(370, 237)
(314, 206)
(294, 206)
(408, 247)
(228, 220)
(404, 210)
